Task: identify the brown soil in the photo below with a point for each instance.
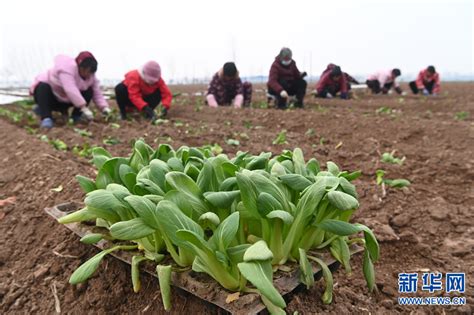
(427, 226)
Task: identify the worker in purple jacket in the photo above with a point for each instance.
(286, 80)
(227, 88)
(71, 82)
(333, 81)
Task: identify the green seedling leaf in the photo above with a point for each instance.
(221, 199)
(260, 274)
(347, 187)
(397, 183)
(282, 215)
(380, 174)
(461, 115)
(86, 183)
(87, 269)
(100, 156)
(327, 275)
(267, 203)
(313, 167)
(233, 142)
(352, 176)
(110, 141)
(136, 260)
(371, 243)
(145, 209)
(272, 308)
(258, 252)
(281, 138)
(171, 219)
(164, 278)
(295, 181)
(83, 132)
(340, 228)
(91, 238)
(131, 230)
(342, 201)
(58, 145)
(210, 217)
(77, 216)
(390, 158)
(369, 272)
(225, 232)
(115, 125)
(333, 168)
(306, 270)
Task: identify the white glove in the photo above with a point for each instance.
(404, 93)
(87, 113)
(238, 101)
(211, 101)
(329, 95)
(284, 94)
(425, 92)
(106, 111)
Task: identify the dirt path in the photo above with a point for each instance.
(428, 226)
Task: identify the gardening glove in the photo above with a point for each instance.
(329, 95)
(344, 95)
(398, 90)
(211, 101)
(284, 94)
(149, 113)
(106, 111)
(426, 92)
(87, 113)
(238, 101)
(303, 74)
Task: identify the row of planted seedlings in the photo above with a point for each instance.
(236, 220)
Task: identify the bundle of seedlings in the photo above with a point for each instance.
(235, 219)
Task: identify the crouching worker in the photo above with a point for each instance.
(227, 88)
(333, 81)
(69, 83)
(427, 82)
(286, 80)
(383, 81)
(143, 89)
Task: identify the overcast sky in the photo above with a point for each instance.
(194, 38)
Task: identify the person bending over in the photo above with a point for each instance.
(384, 80)
(227, 88)
(286, 80)
(71, 82)
(427, 82)
(143, 89)
(334, 81)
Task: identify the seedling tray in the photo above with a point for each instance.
(200, 284)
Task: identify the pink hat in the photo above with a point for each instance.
(151, 72)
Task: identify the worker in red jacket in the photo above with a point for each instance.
(427, 82)
(143, 89)
(286, 80)
(333, 81)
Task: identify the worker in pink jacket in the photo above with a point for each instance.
(427, 82)
(69, 83)
(383, 81)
